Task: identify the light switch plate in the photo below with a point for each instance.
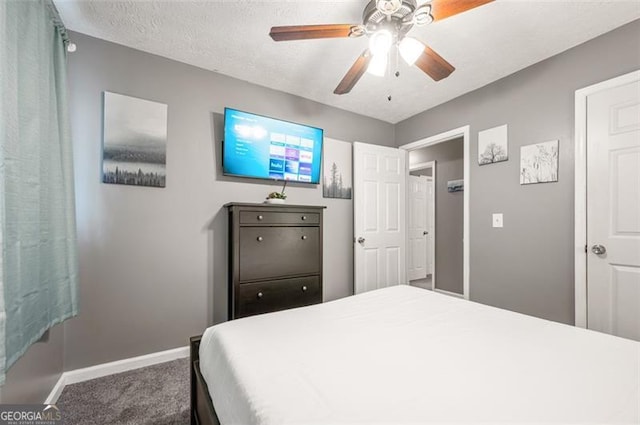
(497, 220)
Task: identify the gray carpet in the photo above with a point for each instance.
(156, 395)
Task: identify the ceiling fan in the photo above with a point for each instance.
(386, 23)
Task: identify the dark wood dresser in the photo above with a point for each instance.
(275, 257)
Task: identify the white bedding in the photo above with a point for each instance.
(404, 355)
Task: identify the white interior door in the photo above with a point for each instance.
(379, 214)
(613, 211)
(431, 225)
(418, 227)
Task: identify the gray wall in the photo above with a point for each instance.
(527, 266)
(33, 376)
(449, 157)
(153, 262)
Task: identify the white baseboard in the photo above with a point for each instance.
(453, 294)
(111, 368)
(56, 391)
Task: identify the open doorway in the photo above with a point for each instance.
(450, 234)
(421, 227)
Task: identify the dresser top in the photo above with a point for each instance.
(254, 205)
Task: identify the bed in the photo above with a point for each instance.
(404, 355)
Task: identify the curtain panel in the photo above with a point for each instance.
(38, 266)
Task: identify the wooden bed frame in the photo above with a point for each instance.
(202, 410)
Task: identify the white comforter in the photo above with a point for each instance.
(404, 355)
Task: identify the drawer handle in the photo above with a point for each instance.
(260, 238)
(304, 237)
(304, 288)
(260, 217)
(260, 295)
(304, 217)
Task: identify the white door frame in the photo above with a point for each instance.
(445, 137)
(580, 183)
(432, 216)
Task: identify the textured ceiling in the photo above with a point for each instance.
(231, 37)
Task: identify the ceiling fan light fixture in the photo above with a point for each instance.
(378, 65)
(422, 15)
(388, 7)
(410, 49)
(380, 42)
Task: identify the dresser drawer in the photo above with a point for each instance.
(268, 252)
(275, 217)
(264, 297)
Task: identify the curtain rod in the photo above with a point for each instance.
(57, 21)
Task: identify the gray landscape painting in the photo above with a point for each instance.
(336, 169)
(135, 141)
(539, 163)
(455, 185)
(493, 145)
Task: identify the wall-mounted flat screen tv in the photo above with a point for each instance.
(266, 148)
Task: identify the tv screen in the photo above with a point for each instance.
(267, 148)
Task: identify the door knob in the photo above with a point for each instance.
(425, 233)
(598, 249)
(361, 240)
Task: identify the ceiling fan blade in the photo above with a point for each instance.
(307, 32)
(433, 64)
(441, 9)
(355, 73)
